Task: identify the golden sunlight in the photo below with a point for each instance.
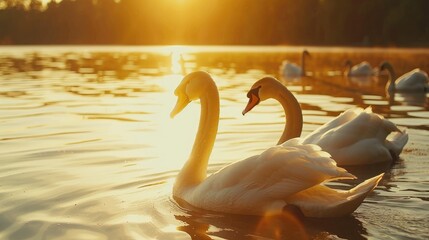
(174, 137)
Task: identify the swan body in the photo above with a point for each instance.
(359, 137)
(292, 70)
(355, 137)
(413, 81)
(363, 69)
(289, 174)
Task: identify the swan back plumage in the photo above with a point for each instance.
(359, 136)
(290, 69)
(264, 182)
(362, 69)
(413, 80)
(279, 176)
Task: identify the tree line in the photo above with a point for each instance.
(241, 22)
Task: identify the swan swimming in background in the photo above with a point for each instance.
(291, 70)
(363, 69)
(413, 81)
(355, 137)
(289, 174)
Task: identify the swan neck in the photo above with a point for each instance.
(195, 169)
(391, 82)
(292, 109)
(303, 64)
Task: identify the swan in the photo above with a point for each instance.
(291, 174)
(355, 137)
(363, 69)
(413, 81)
(292, 70)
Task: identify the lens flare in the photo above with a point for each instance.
(280, 226)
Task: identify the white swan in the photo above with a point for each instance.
(413, 81)
(355, 137)
(292, 70)
(289, 174)
(363, 69)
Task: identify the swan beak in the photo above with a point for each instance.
(253, 100)
(181, 103)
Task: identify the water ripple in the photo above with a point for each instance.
(89, 151)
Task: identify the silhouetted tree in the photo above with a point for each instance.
(310, 22)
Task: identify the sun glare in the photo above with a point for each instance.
(174, 137)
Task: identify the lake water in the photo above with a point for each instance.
(88, 150)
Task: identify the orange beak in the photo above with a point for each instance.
(254, 100)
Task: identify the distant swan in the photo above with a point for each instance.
(291, 70)
(355, 137)
(413, 81)
(363, 69)
(288, 174)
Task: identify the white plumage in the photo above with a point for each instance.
(289, 174)
(413, 81)
(363, 69)
(355, 137)
(292, 70)
(359, 137)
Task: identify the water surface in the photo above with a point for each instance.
(88, 150)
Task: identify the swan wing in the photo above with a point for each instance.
(363, 126)
(370, 150)
(365, 151)
(256, 184)
(293, 167)
(361, 140)
(343, 118)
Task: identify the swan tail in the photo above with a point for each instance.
(356, 195)
(322, 201)
(396, 143)
(365, 187)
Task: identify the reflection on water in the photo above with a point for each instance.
(89, 151)
(290, 225)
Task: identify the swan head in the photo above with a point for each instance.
(190, 88)
(306, 53)
(385, 66)
(260, 91)
(348, 63)
(390, 86)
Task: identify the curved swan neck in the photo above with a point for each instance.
(349, 66)
(391, 82)
(293, 114)
(195, 169)
(303, 64)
